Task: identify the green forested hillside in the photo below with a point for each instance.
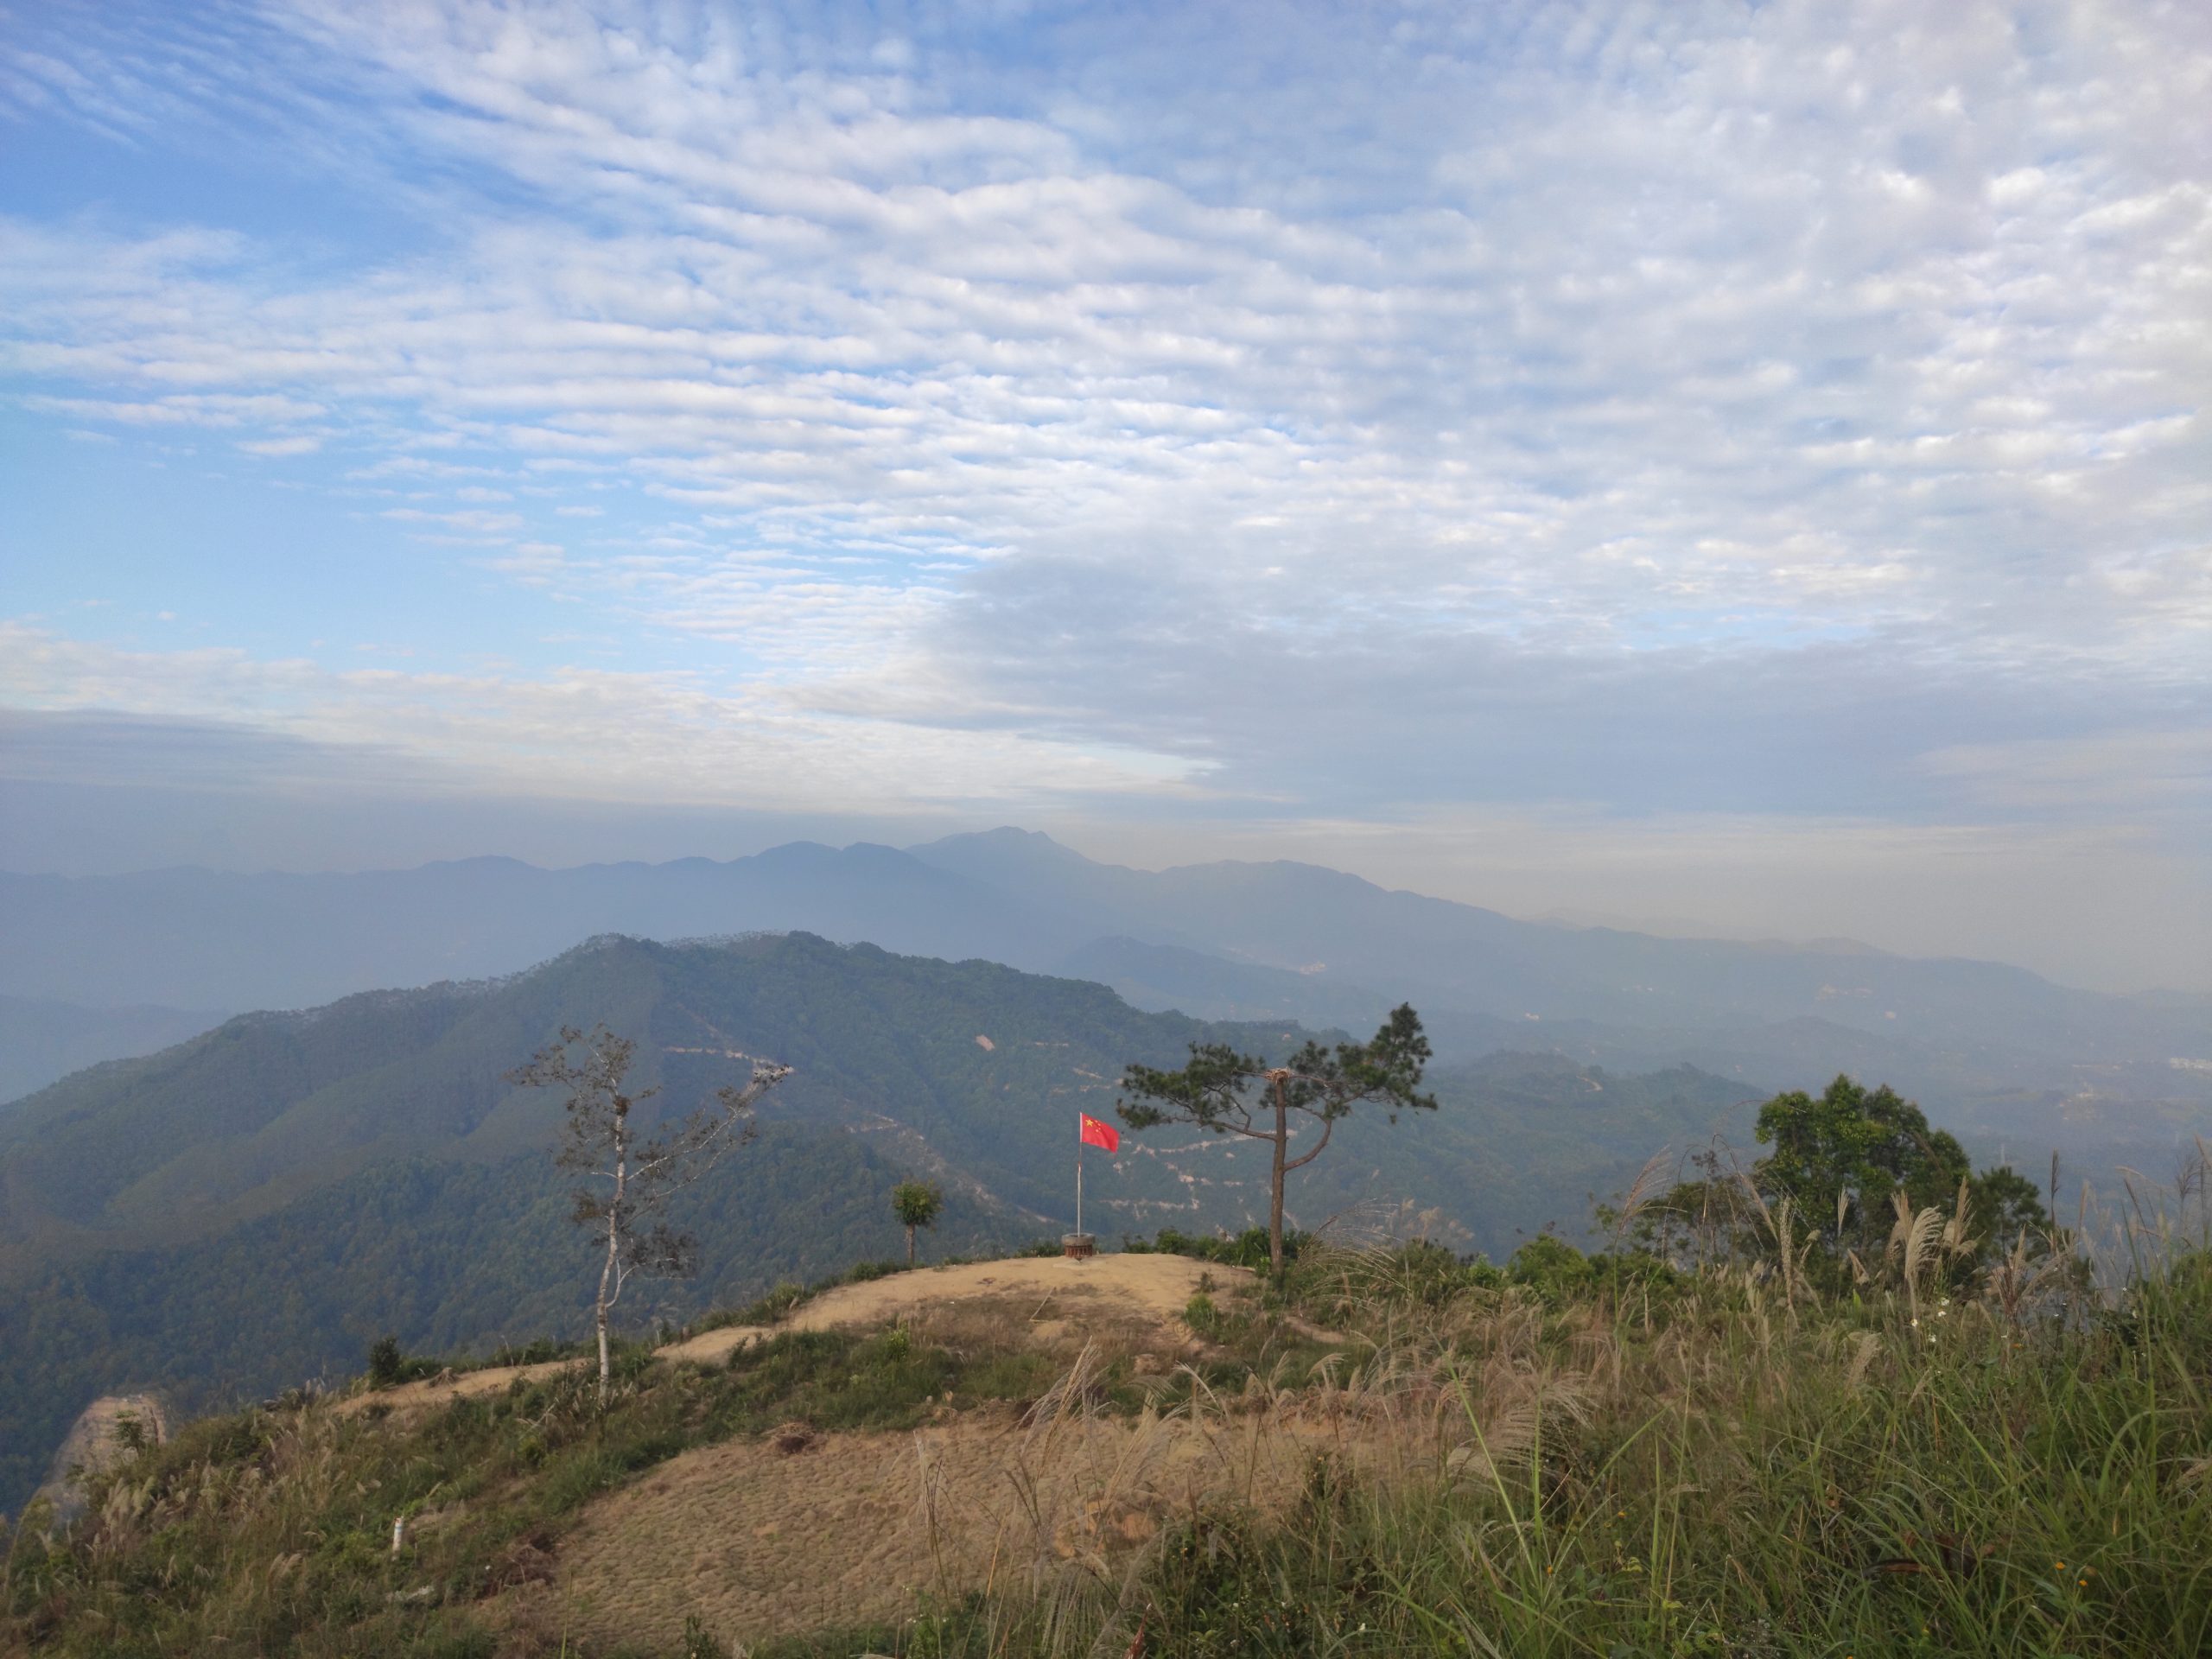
(243, 1120)
(451, 1256)
(249, 1209)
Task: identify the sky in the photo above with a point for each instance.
(1733, 467)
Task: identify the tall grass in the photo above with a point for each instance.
(1711, 1478)
(1400, 1454)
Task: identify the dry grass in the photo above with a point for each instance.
(1123, 1302)
(1036, 1501)
(432, 1393)
(1151, 1290)
(1729, 1465)
(1056, 1503)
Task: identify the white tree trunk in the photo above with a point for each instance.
(609, 1286)
(1275, 1191)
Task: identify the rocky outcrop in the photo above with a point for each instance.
(112, 1428)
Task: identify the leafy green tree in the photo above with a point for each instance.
(1228, 1093)
(386, 1363)
(916, 1204)
(2011, 1208)
(1842, 1156)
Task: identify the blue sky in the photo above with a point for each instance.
(1741, 462)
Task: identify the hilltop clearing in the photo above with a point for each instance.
(1046, 1302)
(1577, 1455)
(757, 1539)
(1053, 1296)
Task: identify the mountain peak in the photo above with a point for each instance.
(1005, 834)
(1006, 842)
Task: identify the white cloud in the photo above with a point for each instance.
(474, 521)
(1780, 407)
(1608, 366)
(303, 444)
(580, 732)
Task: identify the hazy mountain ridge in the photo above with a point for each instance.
(1279, 940)
(251, 1205)
(1290, 915)
(282, 941)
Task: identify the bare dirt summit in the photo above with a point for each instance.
(1057, 1292)
(1057, 1299)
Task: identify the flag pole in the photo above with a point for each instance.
(1078, 1174)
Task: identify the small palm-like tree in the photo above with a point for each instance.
(916, 1204)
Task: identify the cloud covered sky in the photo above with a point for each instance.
(1748, 462)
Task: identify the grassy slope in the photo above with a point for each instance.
(1693, 1469)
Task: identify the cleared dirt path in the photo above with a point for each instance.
(1154, 1289)
(1151, 1289)
(444, 1390)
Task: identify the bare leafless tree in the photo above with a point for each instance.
(625, 1182)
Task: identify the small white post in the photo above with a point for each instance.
(399, 1532)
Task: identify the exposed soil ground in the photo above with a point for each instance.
(1154, 1289)
(800, 1531)
(793, 1533)
(445, 1388)
(1069, 1298)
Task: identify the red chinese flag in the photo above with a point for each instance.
(1095, 1134)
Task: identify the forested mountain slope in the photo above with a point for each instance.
(251, 1206)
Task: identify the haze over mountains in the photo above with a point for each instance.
(253, 1206)
(250, 1206)
(1994, 1049)
(41, 1040)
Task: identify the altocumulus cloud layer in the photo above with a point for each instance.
(1678, 456)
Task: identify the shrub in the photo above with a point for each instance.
(384, 1362)
(1201, 1315)
(388, 1367)
(1248, 1250)
(774, 1307)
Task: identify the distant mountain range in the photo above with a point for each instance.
(1993, 1050)
(254, 1206)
